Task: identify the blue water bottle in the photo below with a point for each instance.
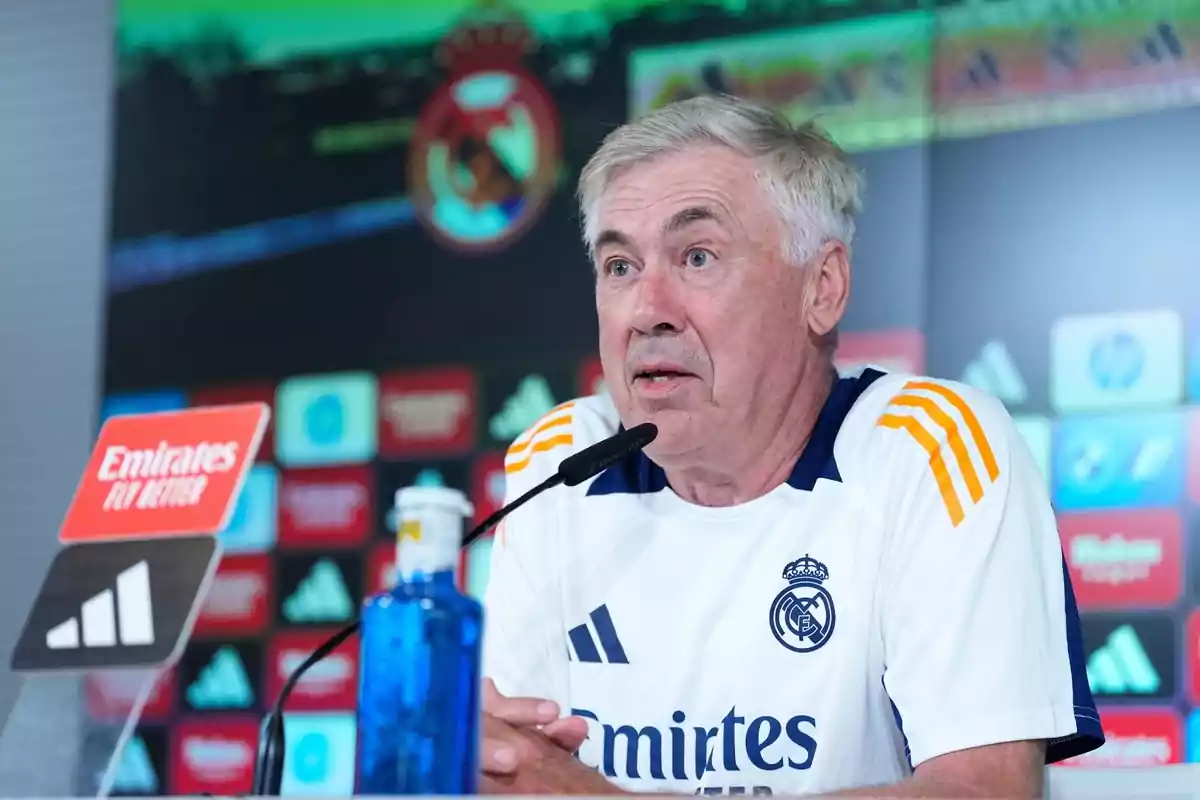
(419, 692)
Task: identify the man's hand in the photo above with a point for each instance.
(503, 756)
(541, 766)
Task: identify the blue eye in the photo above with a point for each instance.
(698, 258)
(617, 268)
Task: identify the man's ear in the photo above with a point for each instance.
(829, 288)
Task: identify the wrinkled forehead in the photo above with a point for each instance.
(711, 186)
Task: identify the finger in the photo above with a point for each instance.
(497, 758)
(517, 710)
(569, 733)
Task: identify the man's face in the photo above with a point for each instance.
(703, 325)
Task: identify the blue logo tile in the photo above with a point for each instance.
(142, 403)
(1116, 360)
(327, 419)
(1119, 461)
(252, 526)
(320, 755)
(1193, 737)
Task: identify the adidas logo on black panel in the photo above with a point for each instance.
(118, 604)
(597, 642)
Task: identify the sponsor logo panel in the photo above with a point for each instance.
(327, 420)
(427, 413)
(1120, 461)
(239, 600)
(1124, 559)
(1131, 658)
(110, 696)
(326, 507)
(319, 760)
(331, 685)
(1116, 360)
(213, 755)
(318, 589)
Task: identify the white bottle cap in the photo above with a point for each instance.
(442, 497)
(429, 529)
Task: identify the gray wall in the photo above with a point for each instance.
(55, 72)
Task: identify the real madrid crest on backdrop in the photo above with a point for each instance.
(485, 153)
(802, 615)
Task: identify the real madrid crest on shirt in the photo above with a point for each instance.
(485, 152)
(802, 615)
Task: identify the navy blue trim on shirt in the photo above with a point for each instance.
(637, 474)
(1089, 734)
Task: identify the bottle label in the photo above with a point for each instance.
(427, 541)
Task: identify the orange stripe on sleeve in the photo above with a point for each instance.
(941, 475)
(953, 438)
(540, 446)
(972, 422)
(547, 422)
(520, 448)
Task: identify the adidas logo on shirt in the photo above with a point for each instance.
(1121, 666)
(598, 642)
(322, 596)
(532, 400)
(222, 683)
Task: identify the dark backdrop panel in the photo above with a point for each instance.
(1036, 225)
(888, 284)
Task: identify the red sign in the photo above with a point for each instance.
(427, 413)
(163, 474)
(213, 756)
(110, 696)
(1135, 737)
(1191, 645)
(1124, 559)
(330, 685)
(487, 484)
(237, 395)
(325, 507)
(239, 602)
(381, 568)
(900, 350)
(591, 377)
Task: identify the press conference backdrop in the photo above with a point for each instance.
(361, 213)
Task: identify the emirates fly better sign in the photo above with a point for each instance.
(163, 474)
(140, 540)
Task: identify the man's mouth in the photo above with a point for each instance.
(660, 375)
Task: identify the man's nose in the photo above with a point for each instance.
(659, 309)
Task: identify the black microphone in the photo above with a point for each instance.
(574, 470)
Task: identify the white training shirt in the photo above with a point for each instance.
(902, 596)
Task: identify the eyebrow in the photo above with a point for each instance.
(677, 222)
(608, 237)
(689, 216)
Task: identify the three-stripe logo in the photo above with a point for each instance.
(939, 420)
(583, 645)
(134, 610)
(550, 432)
